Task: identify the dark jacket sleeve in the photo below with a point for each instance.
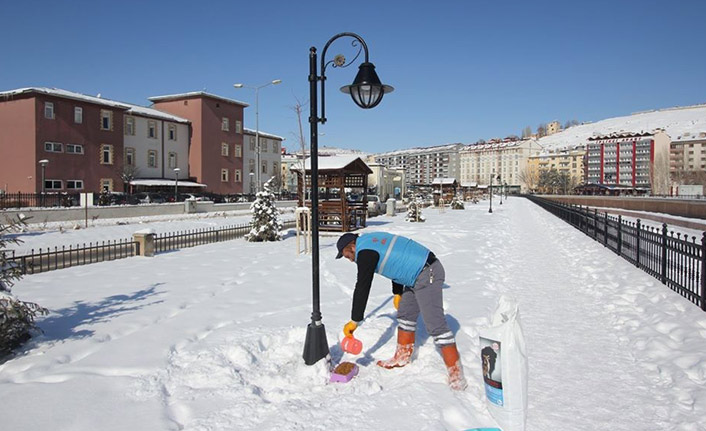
(397, 288)
(367, 260)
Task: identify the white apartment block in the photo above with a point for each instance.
(422, 165)
(630, 160)
(508, 159)
(270, 156)
(687, 153)
(156, 143)
(289, 178)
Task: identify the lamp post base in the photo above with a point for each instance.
(316, 345)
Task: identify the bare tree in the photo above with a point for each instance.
(541, 130)
(127, 174)
(529, 177)
(526, 132)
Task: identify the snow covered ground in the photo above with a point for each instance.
(211, 337)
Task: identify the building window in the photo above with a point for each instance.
(224, 148)
(53, 147)
(252, 143)
(263, 145)
(52, 185)
(49, 110)
(106, 154)
(78, 115)
(224, 175)
(238, 176)
(225, 125)
(172, 132)
(264, 167)
(238, 126)
(152, 129)
(275, 147)
(130, 156)
(74, 184)
(238, 150)
(251, 166)
(152, 159)
(172, 160)
(106, 119)
(74, 149)
(107, 184)
(275, 168)
(130, 126)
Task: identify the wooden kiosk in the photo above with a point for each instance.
(337, 174)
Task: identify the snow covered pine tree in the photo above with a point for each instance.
(414, 212)
(16, 317)
(266, 225)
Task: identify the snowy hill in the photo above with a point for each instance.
(679, 123)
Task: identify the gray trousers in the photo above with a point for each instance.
(426, 297)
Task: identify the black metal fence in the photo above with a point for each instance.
(675, 259)
(37, 261)
(32, 200)
(58, 258)
(191, 238)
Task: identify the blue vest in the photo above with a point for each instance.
(401, 259)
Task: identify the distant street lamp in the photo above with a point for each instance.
(501, 190)
(367, 92)
(505, 190)
(257, 121)
(43, 163)
(490, 191)
(252, 184)
(176, 184)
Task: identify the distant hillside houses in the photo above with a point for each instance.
(644, 153)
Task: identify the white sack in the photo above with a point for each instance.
(504, 366)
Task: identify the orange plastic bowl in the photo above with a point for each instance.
(352, 345)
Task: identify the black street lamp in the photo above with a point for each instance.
(176, 184)
(490, 192)
(501, 190)
(505, 184)
(367, 92)
(43, 163)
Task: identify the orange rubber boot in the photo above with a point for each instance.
(457, 381)
(403, 354)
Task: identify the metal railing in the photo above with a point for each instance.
(38, 200)
(49, 259)
(675, 259)
(43, 260)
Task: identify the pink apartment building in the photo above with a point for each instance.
(216, 152)
(80, 137)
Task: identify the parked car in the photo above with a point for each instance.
(150, 198)
(375, 205)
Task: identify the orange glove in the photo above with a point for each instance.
(396, 301)
(349, 328)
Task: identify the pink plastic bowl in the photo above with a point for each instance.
(351, 345)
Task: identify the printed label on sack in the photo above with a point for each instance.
(490, 355)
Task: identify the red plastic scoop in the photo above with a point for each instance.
(351, 345)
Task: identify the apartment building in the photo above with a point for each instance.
(507, 159)
(216, 153)
(630, 160)
(553, 127)
(422, 165)
(687, 155)
(270, 157)
(155, 145)
(78, 138)
(567, 161)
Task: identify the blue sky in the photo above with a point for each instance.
(462, 70)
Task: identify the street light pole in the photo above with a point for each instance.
(257, 123)
(176, 184)
(367, 91)
(43, 163)
(490, 191)
(501, 189)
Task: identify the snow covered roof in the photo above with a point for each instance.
(332, 163)
(435, 149)
(443, 181)
(195, 94)
(499, 145)
(165, 182)
(129, 107)
(471, 185)
(267, 135)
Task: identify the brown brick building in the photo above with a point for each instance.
(80, 136)
(216, 152)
